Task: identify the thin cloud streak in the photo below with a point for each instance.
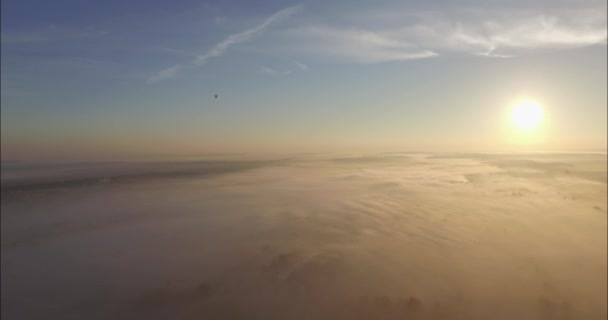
(273, 72)
(220, 48)
(246, 35)
(49, 34)
(302, 66)
(165, 74)
(298, 67)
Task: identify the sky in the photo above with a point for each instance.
(116, 79)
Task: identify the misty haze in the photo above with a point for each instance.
(390, 236)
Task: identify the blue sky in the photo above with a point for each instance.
(119, 78)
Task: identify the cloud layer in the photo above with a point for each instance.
(399, 236)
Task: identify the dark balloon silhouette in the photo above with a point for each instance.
(216, 96)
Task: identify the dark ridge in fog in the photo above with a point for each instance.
(64, 176)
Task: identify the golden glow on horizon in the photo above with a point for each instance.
(526, 115)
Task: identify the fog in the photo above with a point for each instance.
(388, 236)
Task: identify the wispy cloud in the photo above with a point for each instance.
(507, 37)
(221, 47)
(274, 72)
(246, 35)
(301, 66)
(356, 44)
(176, 52)
(12, 86)
(296, 66)
(49, 34)
(422, 34)
(373, 35)
(165, 74)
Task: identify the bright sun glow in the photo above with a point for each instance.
(526, 115)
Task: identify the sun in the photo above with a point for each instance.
(526, 115)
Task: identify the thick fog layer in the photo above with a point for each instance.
(393, 236)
